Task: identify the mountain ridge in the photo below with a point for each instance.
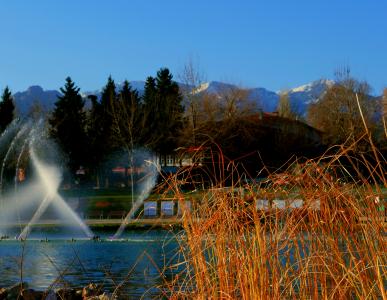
(300, 97)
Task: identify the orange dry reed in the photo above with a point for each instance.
(331, 247)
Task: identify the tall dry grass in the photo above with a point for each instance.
(333, 247)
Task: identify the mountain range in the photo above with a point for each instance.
(300, 97)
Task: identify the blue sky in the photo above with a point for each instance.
(274, 44)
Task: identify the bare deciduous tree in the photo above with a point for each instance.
(192, 79)
(284, 108)
(235, 102)
(337, 113)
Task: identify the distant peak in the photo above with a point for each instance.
(317, 84)
(214, 87)
(202, 87)
(35, 89)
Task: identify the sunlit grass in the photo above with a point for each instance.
(333, 247)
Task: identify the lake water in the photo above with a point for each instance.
(59, 262)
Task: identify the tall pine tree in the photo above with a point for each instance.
(170, 111)
(7, 109)
(108, 109)
(163, 112)
(95, 142)
(149, 113)
(68, 124)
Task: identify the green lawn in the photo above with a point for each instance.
(108, 202)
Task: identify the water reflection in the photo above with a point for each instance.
(59, 263)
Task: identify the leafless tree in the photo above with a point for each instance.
(192, 80)
(284, 108)
(337, 113)
(235, 103)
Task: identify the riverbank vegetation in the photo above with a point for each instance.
(332, 247)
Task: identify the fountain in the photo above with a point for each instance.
(33, 209)
(143, 189)
(50, 179)
(25, 205)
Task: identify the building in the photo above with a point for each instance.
(183, 157)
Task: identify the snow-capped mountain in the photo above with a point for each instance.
(214, 87)
(300, 97)
(264, 98)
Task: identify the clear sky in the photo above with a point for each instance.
(275, 44)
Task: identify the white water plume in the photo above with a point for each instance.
(10, 149)
(29, 202)
(50, 178)
(18, 162)
(149, 163)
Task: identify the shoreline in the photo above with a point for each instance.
(100, 223)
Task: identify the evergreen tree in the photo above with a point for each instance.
(108, 96)
(7, 109)
(170, 111)
(108, 109)
(163, 112)
(149, 113)
(68, 124)
(125, 94)
(94, 130)
(102, 131)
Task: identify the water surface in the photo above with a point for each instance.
(60, 262)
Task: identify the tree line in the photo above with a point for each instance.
(168, 115)
(118, 122)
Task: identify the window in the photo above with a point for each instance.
(167, 208)
(150, 209)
